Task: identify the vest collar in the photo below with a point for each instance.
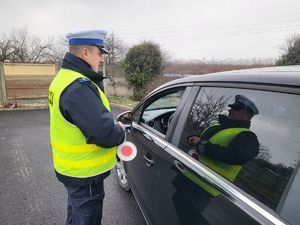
(72, 62)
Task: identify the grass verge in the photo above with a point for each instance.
(122, 101)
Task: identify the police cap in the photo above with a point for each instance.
(242, 102)
(88, 37)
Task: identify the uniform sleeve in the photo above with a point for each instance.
(243, 148)
(82, 106)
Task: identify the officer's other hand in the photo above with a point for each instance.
(193, 140)
(121, 125)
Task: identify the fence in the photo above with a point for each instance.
(116, 83)
(21, 82)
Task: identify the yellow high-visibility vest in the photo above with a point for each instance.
(223, 138)
(72, 156)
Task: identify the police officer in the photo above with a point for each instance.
(226, 146)
(83, 132)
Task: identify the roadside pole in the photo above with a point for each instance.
(104, 80)
(2, 84)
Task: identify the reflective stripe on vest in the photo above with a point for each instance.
(72, 156)
(223, 138)
(202, 183)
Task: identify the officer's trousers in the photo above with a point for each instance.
(85, 204)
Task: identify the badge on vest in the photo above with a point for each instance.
(84, 80)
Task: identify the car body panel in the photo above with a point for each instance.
(171, 190)
(142, 170)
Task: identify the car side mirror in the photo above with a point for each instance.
(125, 118)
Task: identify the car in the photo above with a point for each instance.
(173, 186)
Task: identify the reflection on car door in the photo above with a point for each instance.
(187, 199)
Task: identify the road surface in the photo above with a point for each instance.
(29, 191)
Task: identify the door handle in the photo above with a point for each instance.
(149, 161)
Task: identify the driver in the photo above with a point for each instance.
(226, 146)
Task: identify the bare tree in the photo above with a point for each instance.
(20, 46)
(58, 51)
(116, 49)
(206, 110)
(6, 49)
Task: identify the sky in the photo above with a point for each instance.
(185, 30)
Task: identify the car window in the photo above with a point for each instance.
(159, 109)
(259, 158)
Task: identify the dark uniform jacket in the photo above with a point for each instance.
(242, 148)
(81, 105)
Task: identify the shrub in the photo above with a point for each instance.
(291, 52)
(142, 64)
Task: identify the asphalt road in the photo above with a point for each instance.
(29, 191)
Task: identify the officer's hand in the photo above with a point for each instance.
(193, 140)
(121, 125)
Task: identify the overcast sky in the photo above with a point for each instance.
(186, 29)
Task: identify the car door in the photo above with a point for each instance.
(191, 192)
(149, 131)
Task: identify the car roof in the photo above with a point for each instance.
(280, 75)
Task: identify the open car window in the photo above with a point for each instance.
(158, 111)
